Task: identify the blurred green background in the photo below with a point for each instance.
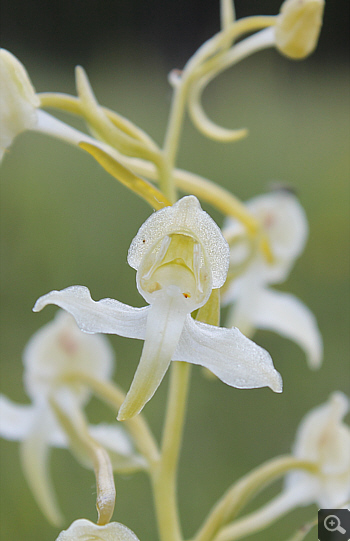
(64, 221)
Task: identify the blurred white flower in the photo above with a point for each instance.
(84, 530)
(298, 27)
(254, 304)
(180, 255)
(323, 445)
(56, 350)
(323, 438)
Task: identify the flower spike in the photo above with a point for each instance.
(180, 256)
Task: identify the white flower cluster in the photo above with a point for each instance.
(182, 261)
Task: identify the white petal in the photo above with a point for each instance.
(34, 451)
(284, 222)
(288, 316)
(164, 326)
(15, 419)
(60, 347)
(322, 435)
(184, 217)
(325, 491)
(105, 316)
(227, 353)
(243, 293)
(84, 530)
(324, 439)
(118, 444)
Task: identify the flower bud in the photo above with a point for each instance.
(298, 27)
(18, 101)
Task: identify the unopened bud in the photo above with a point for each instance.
(18, 101)
(298, 27)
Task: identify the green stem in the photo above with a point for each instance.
(164, 480)
(75, 426)
(189, 74)
(166, 181)
(242, 491)
(137, 426)
(302, 532)
(260, 519)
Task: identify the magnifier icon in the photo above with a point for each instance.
(332, 524)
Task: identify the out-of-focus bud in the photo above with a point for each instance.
(18, 101)
(84, 530)
(298, 27)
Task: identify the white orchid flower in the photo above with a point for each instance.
(52, 353)
(323, 438)
(180, 255)
(84, 530)
(254, 304)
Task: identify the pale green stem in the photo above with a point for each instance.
(105, 129)
(210, 69)
(227, 13)
(164, 480)
(253, 44)
(244, 490)
(137, 426)
(53, 127)
(71, 104)
(302, 532)
(75, 426)
(260, 519)
(176, 118)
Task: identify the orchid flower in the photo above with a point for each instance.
(180, 255)
(254, 304)
(323, 438)
(83, 530)
(53, 352)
